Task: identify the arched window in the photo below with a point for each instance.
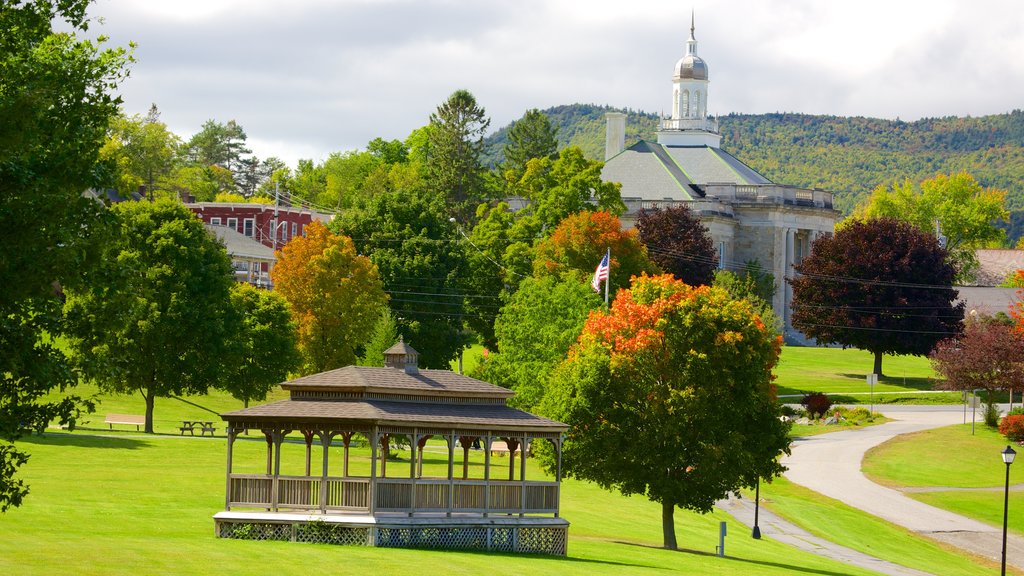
(686, 104)
(698, 111)
(675, 103)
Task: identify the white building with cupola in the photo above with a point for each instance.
(749, 217)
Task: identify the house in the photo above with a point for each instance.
(749, 217)
(272, 226)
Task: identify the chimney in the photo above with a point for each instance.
(615, 136)
(402, 356)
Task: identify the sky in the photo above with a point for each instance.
(306, 78)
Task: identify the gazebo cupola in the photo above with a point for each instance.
(402, 356)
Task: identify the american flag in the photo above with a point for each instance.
(601, 273)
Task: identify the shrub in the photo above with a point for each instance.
(1018, 411)
(1013, 427)
(816, 403)
(991, 415)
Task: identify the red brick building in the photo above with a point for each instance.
(272, 226)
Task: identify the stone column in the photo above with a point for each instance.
(790, 259)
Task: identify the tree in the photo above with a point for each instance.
(678, 243)
(563, 186)
(155, 318)
(142, 149)
(456, 139)
(335, 295)
(56, 102)
(408, 237)
(385, 334)
(669, 395)
(533, 334)
(756, 286)
(882, 285)
(966, 211)
(263, 344)
(579, 242)
(220, 145)
(532, 136)
(988, 356)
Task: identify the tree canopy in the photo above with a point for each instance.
(669, 395)
(967, 213)
(580, 241)
(409, 238)
(56, 101)
(678, 243)
(532, 136)
(987, 356)
(156, 317)
(334, 293)
(881, 285)
(455, 140)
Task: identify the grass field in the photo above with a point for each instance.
(922, 460)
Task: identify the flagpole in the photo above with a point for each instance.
(608, 280)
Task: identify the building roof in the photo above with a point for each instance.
(995, 265)
(241, 246)
(651, 171)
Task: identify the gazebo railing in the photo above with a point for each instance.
(393, 494)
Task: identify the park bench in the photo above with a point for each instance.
(191, 426)
(126, 419)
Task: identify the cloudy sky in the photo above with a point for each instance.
(309, 77)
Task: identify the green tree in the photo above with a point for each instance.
(534, 332)
(155, 319)
(142, 150)
(455, 140)
(679, 243)
(578, 244)
(532, 136)
(882, 285)
(422, 264)
(755, 285)
(335, 295)
(385, 334)
(56, 101)
(566, 185)
(669, 395)
(262, 344)
(966, 211)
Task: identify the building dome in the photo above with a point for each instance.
(691, 67)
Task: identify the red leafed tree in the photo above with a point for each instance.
(580, 241)
(678, 243)
(669, 395)
(880, 285)
(987, 356)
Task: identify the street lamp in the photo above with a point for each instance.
(1008, 455)
(757, 500)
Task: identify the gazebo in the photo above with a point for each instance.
(387, 507)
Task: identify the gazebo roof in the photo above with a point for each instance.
(397, 382)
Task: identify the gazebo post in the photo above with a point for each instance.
(325, 440)
(451, 479)
(307, 435)
(227, 492)
(487, 481)
(385, 450)
(513, 445)
(522, 475)
(346, 437)
(269, 435)
(558, 473)
(422, 445)
(466, 442)
(275, 491)
(371, 505)
(413, 451)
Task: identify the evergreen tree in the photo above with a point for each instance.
(455, 141)
(532, 136)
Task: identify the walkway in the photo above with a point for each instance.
(830, 465)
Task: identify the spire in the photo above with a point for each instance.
(691, 25)
(691, 44)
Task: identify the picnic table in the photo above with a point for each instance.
(190, 426)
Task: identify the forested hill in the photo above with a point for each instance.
(848, 156)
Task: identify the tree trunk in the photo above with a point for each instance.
(878, 364)
(150, 398)
(668, 524)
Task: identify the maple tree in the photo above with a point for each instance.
(579, 242)
(679, 243)
(881, 285)
(669, 395)
(335, 296)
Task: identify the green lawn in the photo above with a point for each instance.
(137, 504)
(837, 371)
(922, 459)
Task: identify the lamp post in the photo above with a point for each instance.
(1008, 455)
(757, 501)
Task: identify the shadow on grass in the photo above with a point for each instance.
(512, 556)
(85, 441)
(788, 567)
(917, 383)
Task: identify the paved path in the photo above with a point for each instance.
(830, 464)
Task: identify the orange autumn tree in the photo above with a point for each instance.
(335, 295)
(670, 395)
(579, 242)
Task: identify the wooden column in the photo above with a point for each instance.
(522, 474)
(346, 437)
(487, 477)
(558, 473)
(325, 441)
(422, 444)
(307, 435)
(451, 479)
(513, 445)
(413, 444)
(278, 439)
(467, 443)
(372, 504)
(385, 451)
(227, 492)
(269, 435)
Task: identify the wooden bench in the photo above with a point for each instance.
(126, 419)
(203, 426)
